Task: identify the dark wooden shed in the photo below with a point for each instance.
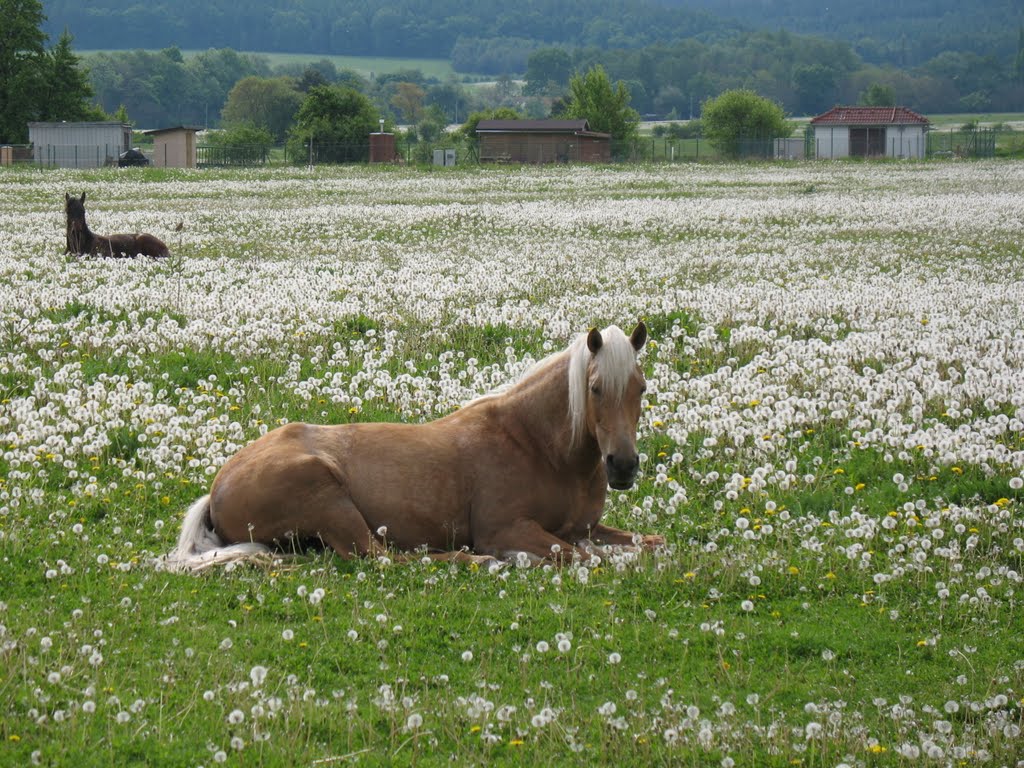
(542, 141)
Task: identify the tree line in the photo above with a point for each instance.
(805, 75)
(397, 28)
(906, 33)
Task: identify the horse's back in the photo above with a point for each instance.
(128, 246)
(403, 477)
(152, 246)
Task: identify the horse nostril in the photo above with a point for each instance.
(625, 466)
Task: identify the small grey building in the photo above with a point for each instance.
(79, 145)
(870, 132)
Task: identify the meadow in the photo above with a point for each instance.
(367, 66)
(832, 444)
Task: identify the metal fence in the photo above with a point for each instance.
(61, 155)
(957, 142)
(939, 143)
(15, 154)
(238, 156)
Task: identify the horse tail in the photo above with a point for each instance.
(199, 546)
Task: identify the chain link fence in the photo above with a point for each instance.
(945, 143)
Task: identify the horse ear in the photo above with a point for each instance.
(639, 336)
(67, 198)
(83, 197)
(594, 341)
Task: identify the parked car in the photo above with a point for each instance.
(132, 157)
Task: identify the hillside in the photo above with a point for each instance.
(408, 28)
(899, 32)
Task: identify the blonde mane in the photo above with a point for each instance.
(613, 367)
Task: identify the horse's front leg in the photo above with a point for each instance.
(607, 536)
(525, 535)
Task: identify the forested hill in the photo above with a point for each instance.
(900, 32)
(407, 28)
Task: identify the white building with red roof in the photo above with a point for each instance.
(870, 132)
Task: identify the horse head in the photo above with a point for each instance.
(74, 207)
(612, 389)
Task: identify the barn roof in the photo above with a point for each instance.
(575, 127)
(870, 116)
(79, 125)
(157, 131)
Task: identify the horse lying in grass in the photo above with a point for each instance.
(522, 471)
(81, 241)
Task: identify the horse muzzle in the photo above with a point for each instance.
(621, 470)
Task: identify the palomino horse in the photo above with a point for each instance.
(83, 241)
(522, 471)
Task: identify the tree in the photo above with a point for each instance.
(878, 95)
(22, 64)
(450, 98)
(336, 122)
(408, 100)
(269, 103)
(67, 88)
(36, 84)
(739, 115)
(815, 87)
(547, 69)
(240, 145)
(606, 108)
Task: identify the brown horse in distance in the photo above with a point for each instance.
(525, 470)
(81, 241)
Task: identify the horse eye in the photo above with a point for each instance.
(596, 390)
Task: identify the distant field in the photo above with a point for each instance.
(364, 65)
(984, 119)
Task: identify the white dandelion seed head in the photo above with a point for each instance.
(258, 674)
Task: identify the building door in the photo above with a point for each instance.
(867, 142)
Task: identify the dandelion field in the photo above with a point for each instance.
(833, 445)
